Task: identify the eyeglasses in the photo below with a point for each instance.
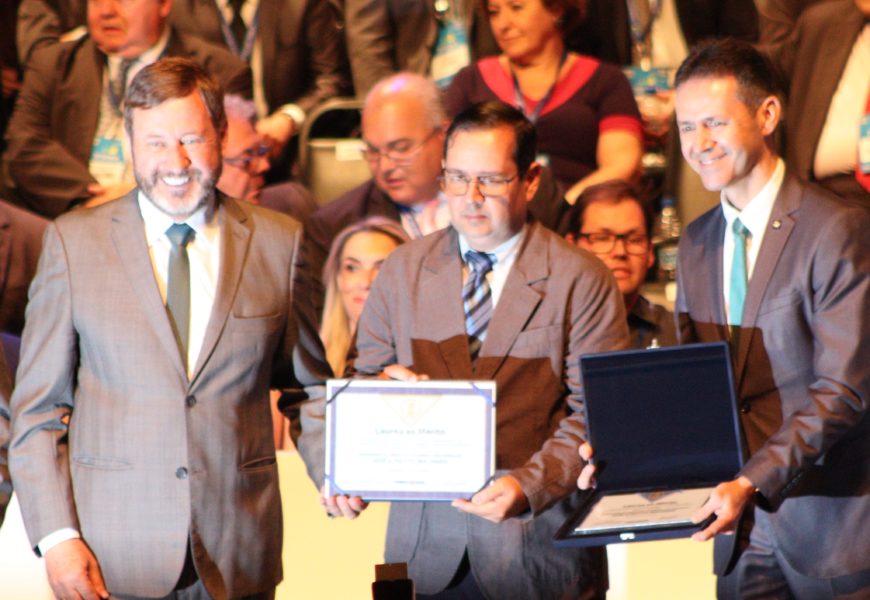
(401, 152)
(603, 243)
(244, 160)
(455, 183)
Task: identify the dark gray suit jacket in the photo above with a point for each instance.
(802, 371)
(20, 245)
(5, 393)
(387, 36)
(558, 302)
(606, 33)
(304, 60)
(112, 438)
(56, 116)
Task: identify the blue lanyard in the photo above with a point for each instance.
(250, 35)
(521, 101)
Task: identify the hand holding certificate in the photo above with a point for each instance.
(396, 440)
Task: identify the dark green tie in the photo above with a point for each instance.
(178, 284)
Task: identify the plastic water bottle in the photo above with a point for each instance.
(666, 237)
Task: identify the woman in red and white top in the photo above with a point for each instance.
(588, 125)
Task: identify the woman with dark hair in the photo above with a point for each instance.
(588, 125)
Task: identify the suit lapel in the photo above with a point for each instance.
(235, 241)
(128, 236)
(517, 303)
(442, 279)
(779, 228)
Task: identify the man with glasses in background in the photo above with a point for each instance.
(492, 297)
(611, 221)
(403, 125)
(246, 160)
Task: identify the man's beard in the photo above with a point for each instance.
(175, 203)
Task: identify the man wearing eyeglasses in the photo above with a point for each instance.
(246, 160)
(497, 297)
(403, 127)
(611, 221)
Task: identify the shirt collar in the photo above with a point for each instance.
(500, 252)
(757, 212)
(150, 55)
(157, 222)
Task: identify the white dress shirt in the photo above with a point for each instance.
(754, 217)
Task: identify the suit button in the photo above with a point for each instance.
(190, 400)
(181, 473)
(744, 408)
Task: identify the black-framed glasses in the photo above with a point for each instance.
(604, 243)
(456, 183)
(400, 152)
(244, 160)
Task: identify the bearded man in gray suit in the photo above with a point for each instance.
(142, 445)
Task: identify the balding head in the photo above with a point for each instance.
(403, 127)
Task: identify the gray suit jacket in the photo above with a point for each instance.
(111, 438)
(813, 60)
(542, 324)
(56, 116)
(802, 371)
(386, 36)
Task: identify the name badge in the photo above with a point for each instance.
(107, 163)
(650, 81)
(451, 52)
(864, 145)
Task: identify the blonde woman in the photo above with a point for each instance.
(354, 260)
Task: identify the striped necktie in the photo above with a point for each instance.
(477, 299)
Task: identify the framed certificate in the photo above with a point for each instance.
(423, 441)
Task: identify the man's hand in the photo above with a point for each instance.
(101, 194)
(501, 500)
(277, 129)
(401, 373)
(73, 572)
(342, 506)
(586, 480)
(726, 502)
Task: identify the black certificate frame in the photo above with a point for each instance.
(659, 420)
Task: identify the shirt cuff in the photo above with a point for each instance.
(55, 538)
(294, 112)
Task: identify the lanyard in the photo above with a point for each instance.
(250, 35)
(521, 101)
